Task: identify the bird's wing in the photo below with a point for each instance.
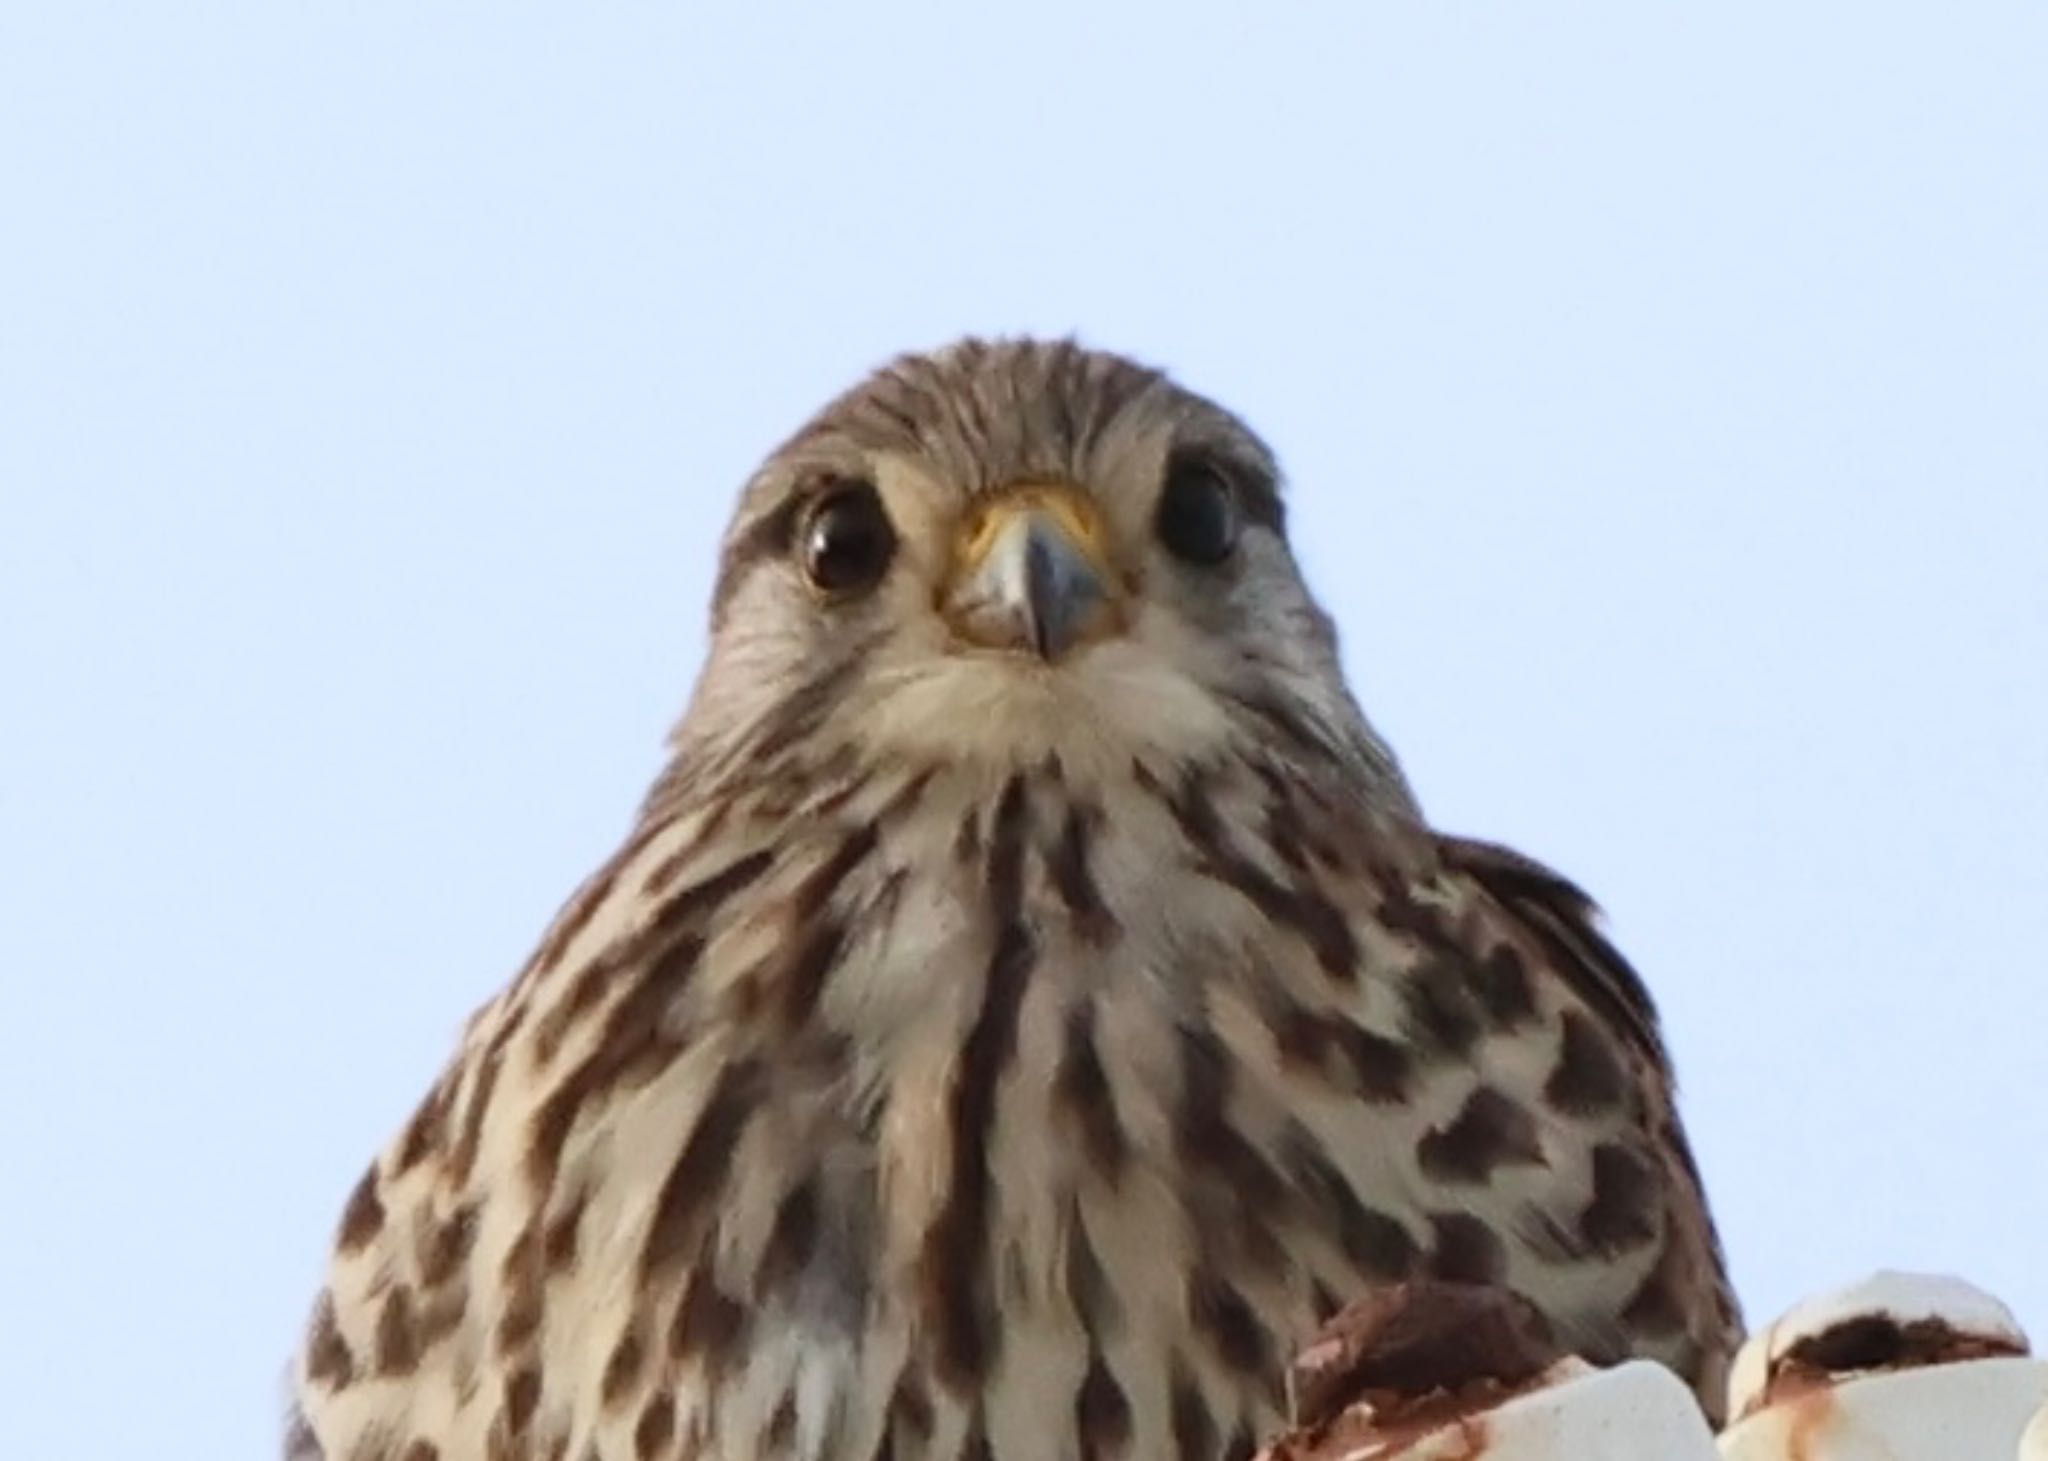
(1558, 914)
(1690, 1290)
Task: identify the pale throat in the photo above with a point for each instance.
(1096, 714)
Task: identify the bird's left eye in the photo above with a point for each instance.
(845, 541)
(1198, 516)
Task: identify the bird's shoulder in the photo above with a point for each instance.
(1548, 909)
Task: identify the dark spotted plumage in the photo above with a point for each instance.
(1029, 1000)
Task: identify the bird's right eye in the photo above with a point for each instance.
(845, 542)
(1198, 516)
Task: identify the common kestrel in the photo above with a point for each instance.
(1028, 1001)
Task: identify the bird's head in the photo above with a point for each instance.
(1004, 551)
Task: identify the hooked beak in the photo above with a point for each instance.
(1031, 574)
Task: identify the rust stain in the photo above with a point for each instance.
(1414, 1340)
(1424, 1361)
(1809, 1420)
(1874, 1343)
(1385, 1424)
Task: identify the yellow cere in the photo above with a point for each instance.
(1066, 505)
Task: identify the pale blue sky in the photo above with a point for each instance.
(1665, 393)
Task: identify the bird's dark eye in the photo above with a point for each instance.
(845, 541)
(1198, 517)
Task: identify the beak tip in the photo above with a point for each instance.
(1035, 590)
(1062, 590)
